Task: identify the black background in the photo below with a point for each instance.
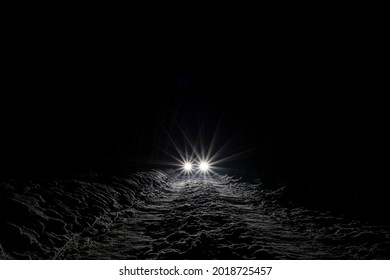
(97, 99)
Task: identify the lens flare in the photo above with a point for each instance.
(204, 166)
(187, 166)
(195, 157)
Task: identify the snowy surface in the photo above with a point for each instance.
(158, 215)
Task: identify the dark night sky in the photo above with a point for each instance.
(86, 101)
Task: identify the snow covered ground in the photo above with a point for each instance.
(158, 215)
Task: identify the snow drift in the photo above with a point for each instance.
(158, 215)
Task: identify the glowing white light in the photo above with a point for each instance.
(204, 166)
(188, 166)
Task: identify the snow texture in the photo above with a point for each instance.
(159, 215)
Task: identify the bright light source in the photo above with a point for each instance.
(187, 166)
(204, 166)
